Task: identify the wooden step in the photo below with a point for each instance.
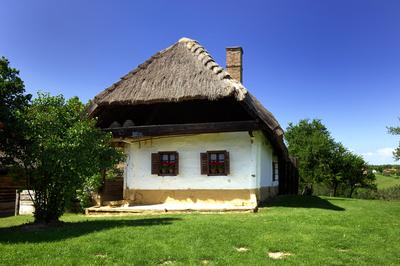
(167, 208)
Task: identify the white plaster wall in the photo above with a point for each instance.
(264, 161)
(238, 144)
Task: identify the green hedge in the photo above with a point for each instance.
(391, 193)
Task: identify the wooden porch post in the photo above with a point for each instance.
(102, 188)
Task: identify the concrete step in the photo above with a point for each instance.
(168, 208)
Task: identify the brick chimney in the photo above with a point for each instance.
(234, 62)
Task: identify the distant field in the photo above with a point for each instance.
(309, 230)
(386, 181)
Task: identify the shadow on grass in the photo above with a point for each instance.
(26, 234)
(297, 201)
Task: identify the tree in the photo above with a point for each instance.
(335, 172)
(12, 101)
(395, 131)
(63, 148)
(312, 144)
(322, 159)
(355, 173)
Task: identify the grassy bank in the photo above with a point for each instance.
(314, 231)
(383, 182)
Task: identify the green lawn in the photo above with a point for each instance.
(386, 181)
(327, 231)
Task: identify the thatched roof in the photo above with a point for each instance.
(183, 71)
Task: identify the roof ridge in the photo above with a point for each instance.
(208, 61)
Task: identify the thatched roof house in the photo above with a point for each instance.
(181, 91)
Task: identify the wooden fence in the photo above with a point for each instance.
(8, 189)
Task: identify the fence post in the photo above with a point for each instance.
(16, 202)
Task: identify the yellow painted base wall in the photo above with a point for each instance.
(236, 197)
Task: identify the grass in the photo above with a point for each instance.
(315, 231)
(386, 181)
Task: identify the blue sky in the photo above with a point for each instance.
(334, 60)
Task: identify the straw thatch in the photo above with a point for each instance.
(184, 71)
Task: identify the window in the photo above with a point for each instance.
(214, 163)
(275, 171)
(165, 163)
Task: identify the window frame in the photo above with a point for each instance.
(226, 162)
(160, 161)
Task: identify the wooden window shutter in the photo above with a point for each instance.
(176, 163)
(227, 163)
(155, 163)
(204, 163)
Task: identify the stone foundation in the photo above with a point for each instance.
(265, 193)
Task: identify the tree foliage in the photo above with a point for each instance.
(356, 173)
(323, 160)
(395, 131)
(63, 148)
(12, 101)
(311, 143)
(337, 166)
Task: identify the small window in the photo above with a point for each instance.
(215, 163)
(165, 163)
(275, 171)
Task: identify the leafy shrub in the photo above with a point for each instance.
(364, 193)
(391, 193)
(92, 186)
(324, 189)
(321, 189)
(85, 195)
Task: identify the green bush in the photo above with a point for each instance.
(391, 193)
(90, 186)
(321, 189)
(93, 184)
(365, 193)
(324, 189)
